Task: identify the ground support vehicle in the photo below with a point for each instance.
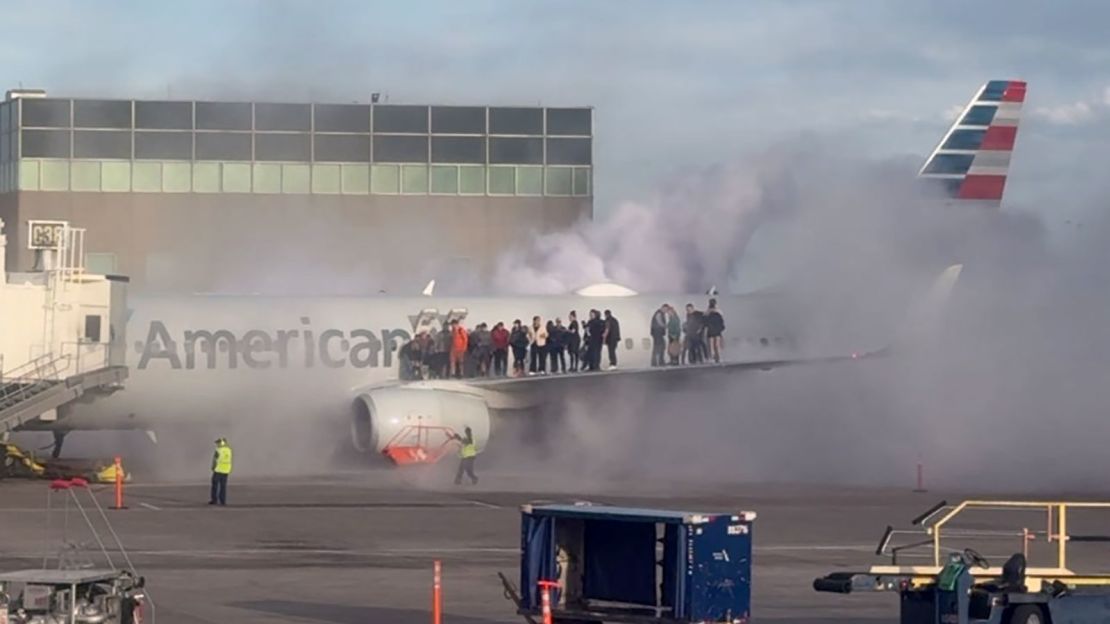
(616, 564)
(960, 586)
(91, 596)
(18, 463)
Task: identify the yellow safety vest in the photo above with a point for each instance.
(468, 450)
(222, 461)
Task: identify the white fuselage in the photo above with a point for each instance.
(196, 358)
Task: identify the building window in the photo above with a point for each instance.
(92, 328)
(458, 120)
(291, 117)
(385, 179)
(581, 181)
(459, 149)
(403, 119)
(223, 146)
(472, 180)
(569, 121)
(355, 179)
(342, 118)
(529, 180)
(164, 145)
(44, 113)
(568, 151)
(342, 147)
(287, 147)
(516, 151)
(45, 143)
(392, 148)
(102, 114)
(101, 263)
(414, 179)
(164, 115)
(102, 144)
(559, 181)
(236, 178)
(295, 178)
(325, 179)
(445, 179)
(516, 121)
(223, 116)
(502, 181)
(267, 178)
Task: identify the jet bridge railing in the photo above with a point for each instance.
(940, 533)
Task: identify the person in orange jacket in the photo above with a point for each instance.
(459, 342)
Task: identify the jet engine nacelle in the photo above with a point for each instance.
(395, 416)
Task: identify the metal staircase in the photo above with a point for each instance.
(31, 390)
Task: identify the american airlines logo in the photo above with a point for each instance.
(303, 347)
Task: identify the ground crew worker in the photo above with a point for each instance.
(221, 470)
(467, 452)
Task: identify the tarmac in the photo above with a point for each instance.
(359, 547)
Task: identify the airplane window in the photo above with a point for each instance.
(629, 343)
(763, 342)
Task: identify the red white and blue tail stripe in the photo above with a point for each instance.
(973, 159)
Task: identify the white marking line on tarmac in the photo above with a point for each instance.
(151, 507)
(484, 504)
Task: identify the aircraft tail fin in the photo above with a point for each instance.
(972, 161)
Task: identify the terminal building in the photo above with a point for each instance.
(203, 196)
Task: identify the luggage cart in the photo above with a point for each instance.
(620, 564)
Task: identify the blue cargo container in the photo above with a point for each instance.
(619, 564)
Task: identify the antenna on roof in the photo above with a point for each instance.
(429, 289)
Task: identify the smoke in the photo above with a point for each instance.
(1007, 393)
(686, 239)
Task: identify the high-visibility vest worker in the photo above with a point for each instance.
(468, 449)
(221, 459)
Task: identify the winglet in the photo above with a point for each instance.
(925, 315)
(429, 289)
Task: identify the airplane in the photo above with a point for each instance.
(191, 357)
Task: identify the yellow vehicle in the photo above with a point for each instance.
(21, 464)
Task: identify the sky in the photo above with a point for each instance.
(675, 85)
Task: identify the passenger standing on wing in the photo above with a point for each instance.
(518, 339)
(483, 349)
(460, 340)
(659, 336)
(499, 339)
(695, 331)
(221, 470)
(714, 330)
(674, 335)
(574, 340)
(557, 340)
(612, 337)
(442, 352)
(539, 347)
(595, 334)
(467, 452)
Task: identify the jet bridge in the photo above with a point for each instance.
(62, 330)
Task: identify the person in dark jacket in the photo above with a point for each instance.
(714, 330)
(574, 340)
(557, 344)
(659, 336)
(695, 335)
(612, 337)
(595, 335)
(499, 337)
(518, 340)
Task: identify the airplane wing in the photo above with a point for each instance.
(922, 318)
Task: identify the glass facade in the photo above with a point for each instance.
(54, 144)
